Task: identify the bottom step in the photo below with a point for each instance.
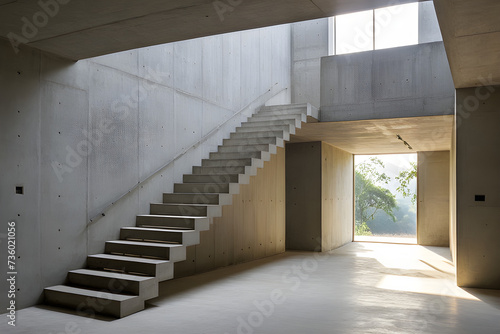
(93, 302)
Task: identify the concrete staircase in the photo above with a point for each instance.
(118, 282)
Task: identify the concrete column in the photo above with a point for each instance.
(433, 210)
(478, 187)
(319, 197)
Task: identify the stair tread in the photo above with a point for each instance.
(173, 216)
(90, 293)
(113, 275)
(128, 258)
(162, 230)
(145, 244)
(187, 204)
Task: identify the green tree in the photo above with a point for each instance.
(405, 177)
(370, 195)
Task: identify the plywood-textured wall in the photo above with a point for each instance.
(433, 209)
(337, 197)
(253, 227)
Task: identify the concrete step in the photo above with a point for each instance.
(171, 252)
(92, 301)
(268, 117)
(161, 269)
(285, 107)
(211, 199)
(309, 110)
(259, 134)
(248, 148)
(254, 141)
(207, 188)
(173, 222)
(191, 210)
(142, 286)
(246, 170)
(261, 123)
(223, 178)
(231, 163)
(266, 127)
(180, 237)
(262, 155)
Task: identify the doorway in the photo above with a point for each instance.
(385, 198)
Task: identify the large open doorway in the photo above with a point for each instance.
(385, 198)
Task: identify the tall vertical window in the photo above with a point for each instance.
(396, 26)
(375, 29)
(354, 32)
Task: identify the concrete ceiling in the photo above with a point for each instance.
(81, 29)
(471, 34)
(379, 136)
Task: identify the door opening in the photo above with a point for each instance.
(385, 198)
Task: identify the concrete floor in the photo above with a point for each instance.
(360, 288)
(387, 240)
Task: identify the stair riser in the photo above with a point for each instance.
(293, 122)
(228, 163)
(192, 188)
(266, 128)
(284, 109)
(238, 155)
(207, 199)
(181, 238)
(163, 271)
(247, 170)
(247, 148)
(230, 178)
(254, 141)
(185, 210)
(260, 134)
(145, 289)
(92, 306)
(200, 224)
(172, 254)
(267, 117)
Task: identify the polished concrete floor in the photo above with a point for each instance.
(359, 288)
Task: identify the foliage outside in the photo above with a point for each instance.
(377, 210)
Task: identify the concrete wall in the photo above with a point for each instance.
(252, 228)
(78, 136)
(453, 194)
(401, 82)
(303, 196)
(309, 44)
(428, 25)
(433, 197)
(477, 173)
(337, 192)
(311, 41)
(319, 196)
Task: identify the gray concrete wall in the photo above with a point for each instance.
(319, 197)
(303, 196)
(428, 25)
(309, 45)
(401, 82)
(78, 136)
(477, 161)
(433, 197)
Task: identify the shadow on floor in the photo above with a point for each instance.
(490, 297)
